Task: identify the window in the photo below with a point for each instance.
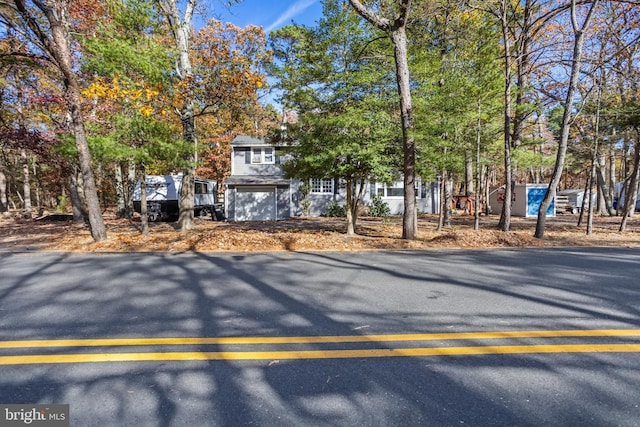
(262, 156)
(394, 189)
(256, 155)
(321, 185)
(267, 155)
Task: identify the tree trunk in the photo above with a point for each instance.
(187, 192)
(584, 201)
(478, 190)
(605, 205)
(181, 29)
(351, 215)
(396, 28)
(96, 223)
(144, 214)
(448, 200)
(76, 194)
(631, 191)
(36, 178)
(409, 219)
(4, 205)
(120, 190)
(505, 216)
(592, 179)
(594, 161)
(187, 200)
(26, 185)
(129, 189)
(611, 177)
(603, 189)
(442, 202)
(468, 173)
(567, 115)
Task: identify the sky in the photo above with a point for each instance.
(270, 14)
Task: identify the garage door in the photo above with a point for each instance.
(255, 204)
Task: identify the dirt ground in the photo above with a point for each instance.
(57, 232)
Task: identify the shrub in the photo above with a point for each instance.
(62, 204)
(334, 210)
(305, 203)
(306, 206)
(378, 207)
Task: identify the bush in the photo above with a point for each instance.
(306, 206)
(62, 204)
(334, 210)
(305, 203)
(378, 207)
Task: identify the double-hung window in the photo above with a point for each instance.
(323, 185)
(264, 155)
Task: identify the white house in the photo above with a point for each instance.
(258, 189)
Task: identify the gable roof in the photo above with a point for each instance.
(247, 141)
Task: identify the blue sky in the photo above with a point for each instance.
(270, 14)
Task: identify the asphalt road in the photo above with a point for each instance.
(411, 338)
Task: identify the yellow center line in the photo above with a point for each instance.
(319, 354)
(318, 339)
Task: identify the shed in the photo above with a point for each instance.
(525, 201)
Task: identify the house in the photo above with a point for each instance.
(258, 189)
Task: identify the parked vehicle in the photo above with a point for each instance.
(571, 200)
(163, 197)
(619, 197)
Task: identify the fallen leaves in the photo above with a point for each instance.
(304, 234)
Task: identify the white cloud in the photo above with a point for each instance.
(294, 10)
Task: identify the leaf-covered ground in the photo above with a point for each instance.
(55, 232)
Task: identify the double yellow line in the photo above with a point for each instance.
(318, 354)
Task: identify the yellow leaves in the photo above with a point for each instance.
(126, 93)
(135, 94)
(146, 111)
(151, 93)
(95, 90)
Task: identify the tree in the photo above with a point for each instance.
(179, 23)
(522, 25)
(579, 31)
(47, 26)
(333, 76)
(456, 88)
(127, 66)
(395, 27)
(215, 69)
